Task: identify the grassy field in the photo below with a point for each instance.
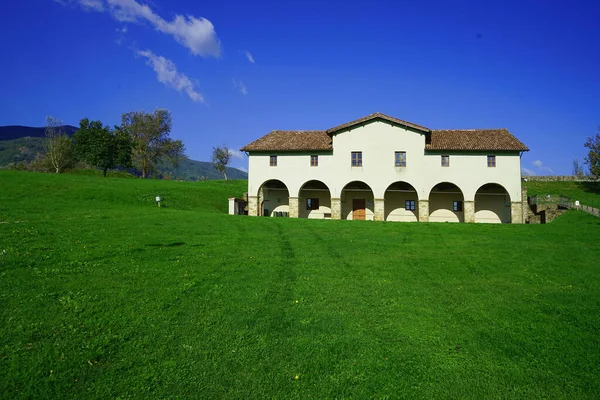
(105, 295)
(587, 193)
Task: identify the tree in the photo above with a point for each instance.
(220, 159)
(149, 133)
(593, 157)
(102, 146)
(59, 147)
(577, 168)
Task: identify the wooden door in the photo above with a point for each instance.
(358, 209)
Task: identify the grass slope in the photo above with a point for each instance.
(587, 193)
(105, 295)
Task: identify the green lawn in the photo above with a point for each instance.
(105, 295)
(587, 193)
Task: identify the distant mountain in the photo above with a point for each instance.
(17, 131)
(23, 143)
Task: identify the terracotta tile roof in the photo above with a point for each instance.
(291, 141)
(474, 140)
(377, 115)
(440, 140)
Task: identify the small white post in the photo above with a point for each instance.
(158, 200)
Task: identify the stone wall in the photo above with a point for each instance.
(558, 178)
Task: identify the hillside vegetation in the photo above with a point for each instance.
(21, 145)
(105, 295)
(587, 193)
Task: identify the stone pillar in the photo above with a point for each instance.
(516, 212)
(379, 210)
(253, 206)
(525, 205)
(469, 210)
(294, 203)
(423, 210)
(336, 208)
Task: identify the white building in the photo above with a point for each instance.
(382, 168)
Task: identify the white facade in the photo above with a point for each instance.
(385, 187)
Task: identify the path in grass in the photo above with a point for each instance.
(103, 294)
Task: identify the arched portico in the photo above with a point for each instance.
(492, 204)
(314, 200)
(446, 203)
(401, 202)
(357, 201)
(273, 199)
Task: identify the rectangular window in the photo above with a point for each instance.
(445, 161)
(312, 204)
(457, 206)
(409, 205)
(400, 159)
(357, 158)
(273, 161)
(314, 161)
(491, 161)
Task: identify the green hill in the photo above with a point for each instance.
(21, 144)
(105, 295)
(587, 193)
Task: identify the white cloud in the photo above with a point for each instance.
(243, 169)
(95, 5)
(527, 172)
(249, 57)
(167, 74)
(241, 87)
(540, 166)
(197, 34)
(122, 30)
(236, 154)
(88, 5)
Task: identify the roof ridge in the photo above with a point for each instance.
(470, 129)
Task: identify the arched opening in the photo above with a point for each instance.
(273, 199)
(446, 203)
(401, 203)
(492, 204)
(314, 200)
(357, 201)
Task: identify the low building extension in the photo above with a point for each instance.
(385, 169)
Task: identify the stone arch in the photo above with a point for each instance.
(401, 202)
(358, 201)
(492, 204)
(446, 203)
(273, 199)
(314, 199)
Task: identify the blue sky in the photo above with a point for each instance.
(232, 71)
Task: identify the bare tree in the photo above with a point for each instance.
(220, 159)
(59, 147)
(577, 168)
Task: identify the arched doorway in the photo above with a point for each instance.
(446, 203)
(314, 200)
(357, 201)
(273, 199)
(401, 203)
(492, 204)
